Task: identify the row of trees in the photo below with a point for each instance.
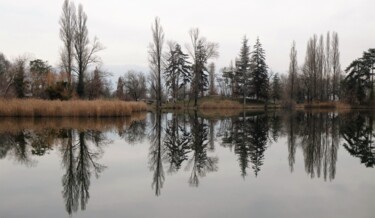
(29, 77)
(179, 73)
(319, 77)
(77, 52)
(249, 78)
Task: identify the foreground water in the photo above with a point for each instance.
(305, 164)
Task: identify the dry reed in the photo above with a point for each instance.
(74, 108)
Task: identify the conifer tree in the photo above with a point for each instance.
(258, 73)
(242, 71)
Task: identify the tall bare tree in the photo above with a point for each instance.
(200, 51)
(336, 66)
(84, 53)
(135, 85)
(155, 58)
(320, 68)
(67, 31)
(293, 69)
(6, 77)
(310, 70)
(328, 66)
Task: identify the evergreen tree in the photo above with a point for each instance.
(259, 76)
(242, 70)
(177, 68)
(359, 82)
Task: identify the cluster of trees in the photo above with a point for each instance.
(21, 78)
(77, 53)
(318, 79)
(359, 82)
(249, 78)
(185, 75)
(29, 77)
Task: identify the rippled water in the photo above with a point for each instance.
(256, 164)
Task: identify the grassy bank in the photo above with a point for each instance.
(75, 108)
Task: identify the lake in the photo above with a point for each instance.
(250, 164)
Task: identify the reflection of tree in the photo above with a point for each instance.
(135, 133)
(357, 131)
(320, 143)
(176, 141)
(157, 151)
(258, 139)
(70, 191)
(248, 134)
(42, 142)
(292, 129)
(16, 144)
(80, 160)
(276, 126)
(200, 163)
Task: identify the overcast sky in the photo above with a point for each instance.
(31, 27)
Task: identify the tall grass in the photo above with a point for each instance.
(74, 108)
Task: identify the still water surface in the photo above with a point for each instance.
(302, 164)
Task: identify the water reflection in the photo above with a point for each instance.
(81, 145)
(248, 135)
(188, 142)
(81, 151)
(358, 132)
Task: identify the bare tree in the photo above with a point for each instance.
(84, 53)
(6, 77)
(320, 67)
(328, 66)
(336, 66)
(293, 69)
(19, 78)
(310, 70)
(97, 85)
(200, 51)
(67, 31)
(135, 85)
(155, 59)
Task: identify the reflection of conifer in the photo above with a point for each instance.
(258, 138)
(242, 142)
(357, 131)
(200, 162)
(176, 141)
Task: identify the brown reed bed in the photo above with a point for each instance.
(73, 108)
